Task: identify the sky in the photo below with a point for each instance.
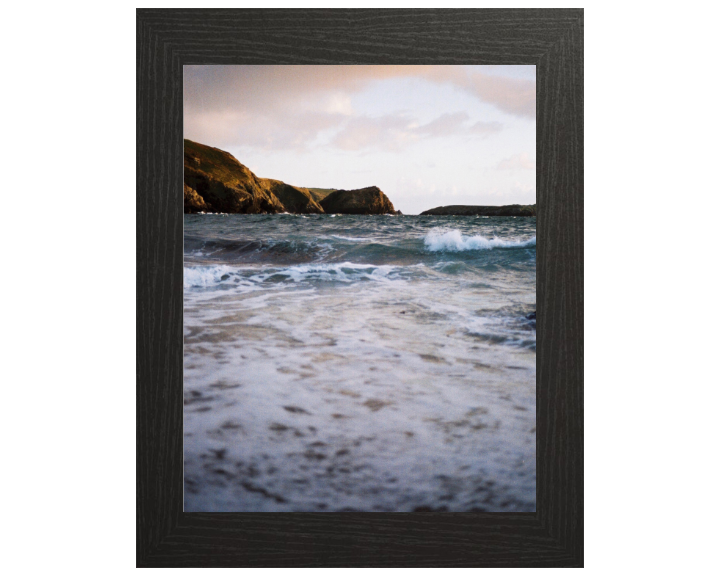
(427, 136)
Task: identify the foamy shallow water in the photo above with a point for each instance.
(359, 364)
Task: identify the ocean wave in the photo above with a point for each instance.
(348, 238)
(204, 276)
(343, 272)
(442, 240)
(280, 251)
(213, 276)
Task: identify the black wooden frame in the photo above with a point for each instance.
(551, 39)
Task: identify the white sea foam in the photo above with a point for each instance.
(442, 240)
(350, 238)
(371, 397)
(345, 272)
(210, 276)
(203, 276)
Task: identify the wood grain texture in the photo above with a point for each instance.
(551, 39)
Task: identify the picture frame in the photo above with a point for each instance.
(550, 39)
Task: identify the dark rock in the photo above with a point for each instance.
(193, 201)
(458, 210)
(531, 316)
(370, 200)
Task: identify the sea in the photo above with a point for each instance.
(359, 363)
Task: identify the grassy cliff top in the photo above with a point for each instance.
(319, 194)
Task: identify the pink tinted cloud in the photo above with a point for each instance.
(389, 132)
(287, 107)
(395, 132)
(444, 125)
(268, 86)
(511, 95)
(229, 128)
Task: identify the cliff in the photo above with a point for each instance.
(511, 210)
(370, 200)
(216, 182)
(296, 200)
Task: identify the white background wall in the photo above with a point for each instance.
(68, 239)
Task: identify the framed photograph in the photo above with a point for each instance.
(360, 325)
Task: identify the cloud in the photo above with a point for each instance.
(512, 95)
(444, 125)
(267, 86)
(289, 106)
(263, 131)
(390, 132)
(395, 132)
(517, 162)
(485, 128)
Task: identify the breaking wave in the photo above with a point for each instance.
(454, 241)
(211, 276)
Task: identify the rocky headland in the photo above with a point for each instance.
(370, 200)
(511, 210)
(216, 182)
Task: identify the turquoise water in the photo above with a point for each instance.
(371, 363)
